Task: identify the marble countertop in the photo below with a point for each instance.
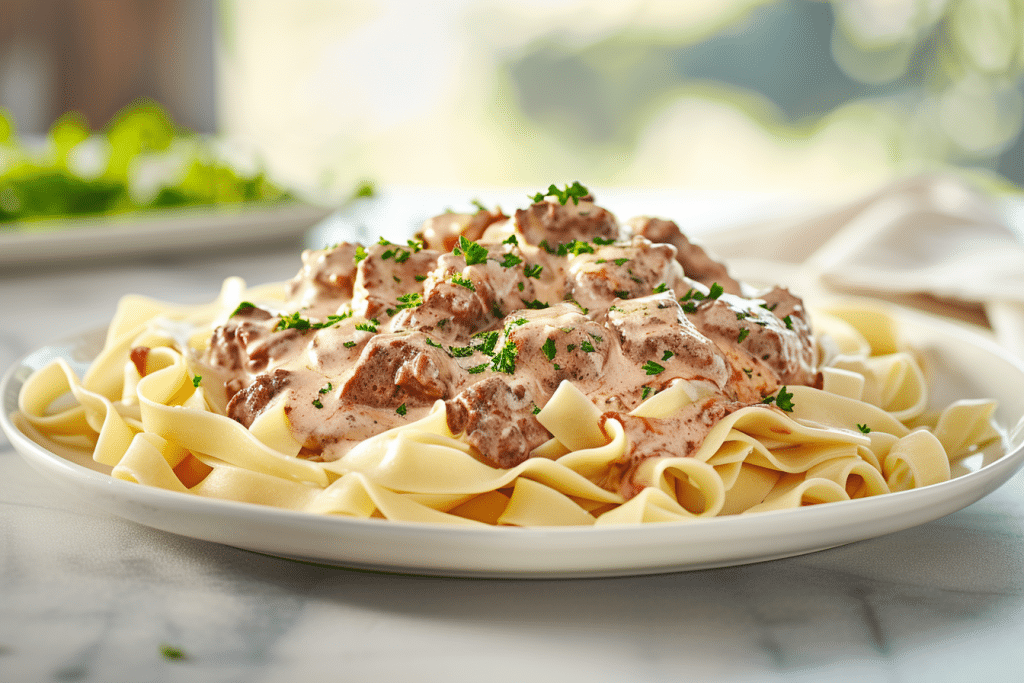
(85, 596)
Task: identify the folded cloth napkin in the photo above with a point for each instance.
(932, 241)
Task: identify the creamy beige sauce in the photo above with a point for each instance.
(372, 336)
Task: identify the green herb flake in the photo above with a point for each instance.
(461, 351)
(419, 278)
(431, 342)
(488, 341)
(620, 261)
(533, 270)
(602, 241)
(368, 326)
(349, 344)
(748, 372)
(196, 380)
(549, 348)
(660, 288)
(477, 369)
(317, 404)
(401, 410)
(171, 652)
(511, 239)
(784, 400)
(244, 306)
(596, 337)
(742, 335)
(460, 280)
(536, 304)
(716, 291)
(510, 261)
(329, 387)
(535, 410)
(622, 294)
(473, 252)
(668, 354)
(864, 428)
(587, 347)
(652, 368)
(505, 360)
(570, 348)
(789, 322)
(575, 192)
(360, 253)
(646, 393)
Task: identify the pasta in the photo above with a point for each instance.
(246, 399)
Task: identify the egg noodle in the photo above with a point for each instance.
(852, 420)
(866, 433)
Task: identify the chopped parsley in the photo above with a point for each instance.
(587, 347)
(784, 400)
(668, 354)
(360, 253)
(431, 342)
(864, 428)
(536, 304)
(511, 239)
(575, 192)
(317, 404)
(595, 337)
(749, 372)
(329, 387)
(533, 270)
(349, 344)
(461, 351)
(496, 310)
(505, 360)
(488, 341)
(620, 261)
(535, 409)
(652, 368)
(576, 247)
(578, 305)
(602, 241)
(462, 281)
(570, 347)
(368, 326)
(716, 291)
(742, 315)
(622, 293)
(477, 369)
(419, 278)
(549, 348)
(401, 410)
(171, 652)
(742, 335)
(789, 322)
(660, 288)
(295, 321)
(196, 380)
(510, 261)
(479, 205)
(415, 245)
(646, 393)
(244, 306)
(473, 252)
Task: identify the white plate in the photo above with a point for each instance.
(181, 230)
(965, 364)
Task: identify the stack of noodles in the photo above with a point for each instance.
(158, 430)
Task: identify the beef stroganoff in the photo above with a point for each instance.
(552, 367)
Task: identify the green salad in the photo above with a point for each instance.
(141, 160)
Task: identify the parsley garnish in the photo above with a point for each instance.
(349, 344)
(660, 288)
(171, 652)
(479, 205)
(789, 322)
(505, 360)
(473, 252)
(646, 393)
(536, 304)
(587, 347)
(317, 404)
(743, 335)
(329, 387)
(864, 428)
(620, 261)
(742, 315)
(652, 368)
(668, 354)
(360, 253)
(461, 351)
(549, 349)
(477, 369)
(401, 410)
(749, 372)
(411, 300)
(784, 400)
(533, 270)
(196, 380)
(295, 321)
(595, 337)
(431, 342)
(575, 192)
(510, 260)
(535, 409)
(368, 326)
(489, 341)
(622, 293)
(244, 306)
(458, 279)
(576, 247)
(496, 310)
(415, 245)
(511, 239)
(604, 241)
(716, 291)
(570, 347)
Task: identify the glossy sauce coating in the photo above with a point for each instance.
(490, 314)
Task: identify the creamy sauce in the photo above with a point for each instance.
(490, 314)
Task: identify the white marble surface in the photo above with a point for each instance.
(88, 597)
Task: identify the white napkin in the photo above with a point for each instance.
(931, 241)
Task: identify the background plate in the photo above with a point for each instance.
(157, 231)
(963, 364)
